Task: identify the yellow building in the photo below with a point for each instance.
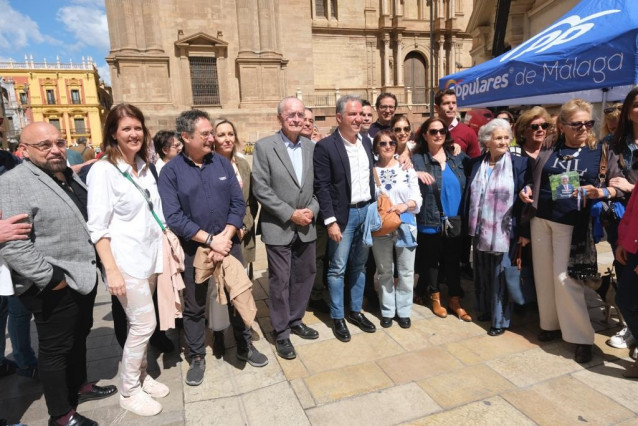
(67, 95)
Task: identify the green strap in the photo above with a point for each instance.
(126, 175)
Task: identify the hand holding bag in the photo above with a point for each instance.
(390, 221)
(512, 276)
(450, 226)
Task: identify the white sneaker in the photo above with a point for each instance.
(622, 340)
(154, 388)
(140, 403)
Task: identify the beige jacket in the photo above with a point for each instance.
(229, 274)
(170, 282)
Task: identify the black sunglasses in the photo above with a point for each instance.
(577, 125)
(609, 110)
(433, 132)
(384, 143)
(405, 129)
(535, 127)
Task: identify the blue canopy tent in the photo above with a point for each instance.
(591, 52)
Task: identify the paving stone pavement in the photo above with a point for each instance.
(440, 371)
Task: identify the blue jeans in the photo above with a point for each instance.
(627, 293)
(19, 319)
(394, 300)
(350, 253)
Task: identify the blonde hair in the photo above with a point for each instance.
(527, 117)
(573, 106)
(615, 114)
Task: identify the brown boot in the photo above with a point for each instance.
(632, 371)
(455, 306)
(437, 309)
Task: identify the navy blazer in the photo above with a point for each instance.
(520, 167)
(332, 177)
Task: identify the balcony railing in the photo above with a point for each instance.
(80, 131)
(328, 97)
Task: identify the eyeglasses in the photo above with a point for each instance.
(433, 132)
(535, 127)
(206, 134)
(147, 196)
(577, 125)
(293, 115)
(387, 107)
(177, 145)
(406, 129)
(46, 146)
(609, 110)
(386, 143)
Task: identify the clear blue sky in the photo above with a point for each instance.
(69, 29)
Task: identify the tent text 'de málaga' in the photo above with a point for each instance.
(591, 53)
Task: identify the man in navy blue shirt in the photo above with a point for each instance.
(203, 204)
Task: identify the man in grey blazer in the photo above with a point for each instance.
(54, 270)
(283, 179)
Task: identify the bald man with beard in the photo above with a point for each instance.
(54, 270)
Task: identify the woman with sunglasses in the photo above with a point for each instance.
(562, 244)
(166, 146)
(531, 130)
(624, 143)
(493, 211)
(439, 168)
(402, 187)
(125, 213)
(402, 129)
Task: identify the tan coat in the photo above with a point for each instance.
(248, 243)
(231, 275)
(170, 282)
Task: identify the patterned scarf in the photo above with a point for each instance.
(491, 204)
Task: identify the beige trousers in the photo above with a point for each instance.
(561, 299)
(140, 313)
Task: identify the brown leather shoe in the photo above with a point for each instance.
(437, 309)
(455, 306)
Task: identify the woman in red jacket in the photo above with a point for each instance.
(627, 254)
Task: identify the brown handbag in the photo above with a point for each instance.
(390, 221)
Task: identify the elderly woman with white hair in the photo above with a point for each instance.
(492, 211)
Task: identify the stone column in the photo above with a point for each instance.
(122, 34)
(452, 65)
(247, 21)
(399, 60)
(267, 26)
(384, 7)
(386, 59)
(151, 28)
(441, 64)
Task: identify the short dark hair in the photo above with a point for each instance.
(185, 122)
(438, 98)
(384, 95)
(365, 102)
(377, 139)
(163, 140)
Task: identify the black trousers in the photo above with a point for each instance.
(63, 319)
(434, 250)
(195, 311)
(627, 293)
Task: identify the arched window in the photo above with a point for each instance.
(415, 72)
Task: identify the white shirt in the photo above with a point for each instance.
(359, 170)
(6, 285)
(119, 211)
(158, 165)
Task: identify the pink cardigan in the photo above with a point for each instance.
(628, 228)
(170, 282)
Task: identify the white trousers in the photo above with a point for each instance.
(561, 299)
(140, 314)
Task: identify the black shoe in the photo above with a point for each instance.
(358, 319)
(218, 344)
(583, 353)
(75, 420)
(495, 331)
(162, 343)
(305, 332)
(386, 322)
(285, 349)
(318, 305)
(404, 322)
(252, 356)
(548, 335)
(340, 330)
(96, 392)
